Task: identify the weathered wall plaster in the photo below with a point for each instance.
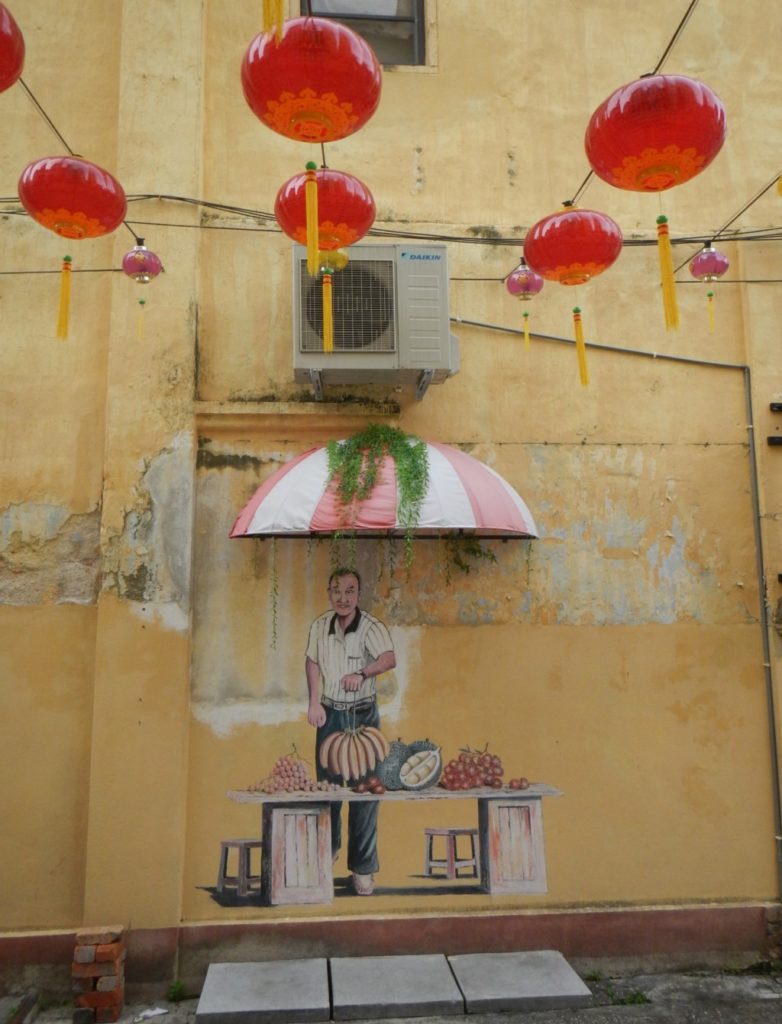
(149, 563)
(618, 657)
(48, 555)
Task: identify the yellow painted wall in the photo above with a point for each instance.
(619, 658)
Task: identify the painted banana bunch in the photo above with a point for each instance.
(353, 754)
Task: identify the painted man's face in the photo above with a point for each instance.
(343, 594)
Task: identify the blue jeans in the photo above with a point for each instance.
(362, 816)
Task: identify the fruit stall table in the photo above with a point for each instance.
(296, 865)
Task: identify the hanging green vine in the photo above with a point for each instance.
(461, 550)
(353, 464)
(274, 591)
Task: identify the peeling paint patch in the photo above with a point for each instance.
(208, 459)
(148, 563)
(217, 704)
(48, 555)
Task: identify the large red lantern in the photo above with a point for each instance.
(11, 49)
(655, 133)
(326, 211)
(319, 82)
(571, 247)
(72, 197)
(650, 135)
(345, 209)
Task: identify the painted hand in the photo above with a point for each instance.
(316, 715)
(352, 682)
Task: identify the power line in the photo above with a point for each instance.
(735, 217)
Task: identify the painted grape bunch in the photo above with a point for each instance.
(291, 774)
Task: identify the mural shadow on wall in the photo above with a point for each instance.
(342, 887)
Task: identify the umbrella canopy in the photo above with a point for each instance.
(462, 494)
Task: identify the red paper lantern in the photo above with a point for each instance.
(319, 83)
(72, 197)
(655, 133)
(572, 246)
(11, 49)
(346, 209)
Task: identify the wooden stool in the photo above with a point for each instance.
(244, 879)
(451, 862)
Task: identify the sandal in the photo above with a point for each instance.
(363, 885)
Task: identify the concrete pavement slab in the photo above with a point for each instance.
(535, 980)
(269, 992)
(374, 987)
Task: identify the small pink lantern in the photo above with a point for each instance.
(140, 263)
(709, 264)
(523, 283)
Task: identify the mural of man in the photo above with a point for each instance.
(347, 649)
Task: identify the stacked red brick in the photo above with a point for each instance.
(99, 975)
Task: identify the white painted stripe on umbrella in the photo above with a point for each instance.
(445, 503)
(493, 501)
(289, 505)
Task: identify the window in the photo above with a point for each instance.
(393, 28)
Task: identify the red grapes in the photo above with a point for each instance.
(473, 769)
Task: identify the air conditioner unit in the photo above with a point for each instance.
(390, 315)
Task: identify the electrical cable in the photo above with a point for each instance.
(44, 115)
(743, 210)
(675, 38)
(33, 99)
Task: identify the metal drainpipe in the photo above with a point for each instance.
(759, 559)
(765, 625)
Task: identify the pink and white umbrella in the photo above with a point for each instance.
(462, 494)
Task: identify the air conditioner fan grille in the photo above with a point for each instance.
(363, 308)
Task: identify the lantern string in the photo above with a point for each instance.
(44, 115)
(56, 131)
(735, 217)
(581, 189)
(675, 38)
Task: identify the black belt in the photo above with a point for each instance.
(349, 705)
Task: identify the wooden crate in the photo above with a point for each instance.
(296, 854)
(511, 846)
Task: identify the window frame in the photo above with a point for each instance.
(418, 20)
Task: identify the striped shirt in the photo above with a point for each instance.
(337, 653)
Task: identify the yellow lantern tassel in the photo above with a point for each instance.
(710, 298)
(666, 273)
(63, 316)
(779, 185)
(578, 327)
(311, 205)
(140, 319)
(273, 17)
(328, 314)
(526, 329)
